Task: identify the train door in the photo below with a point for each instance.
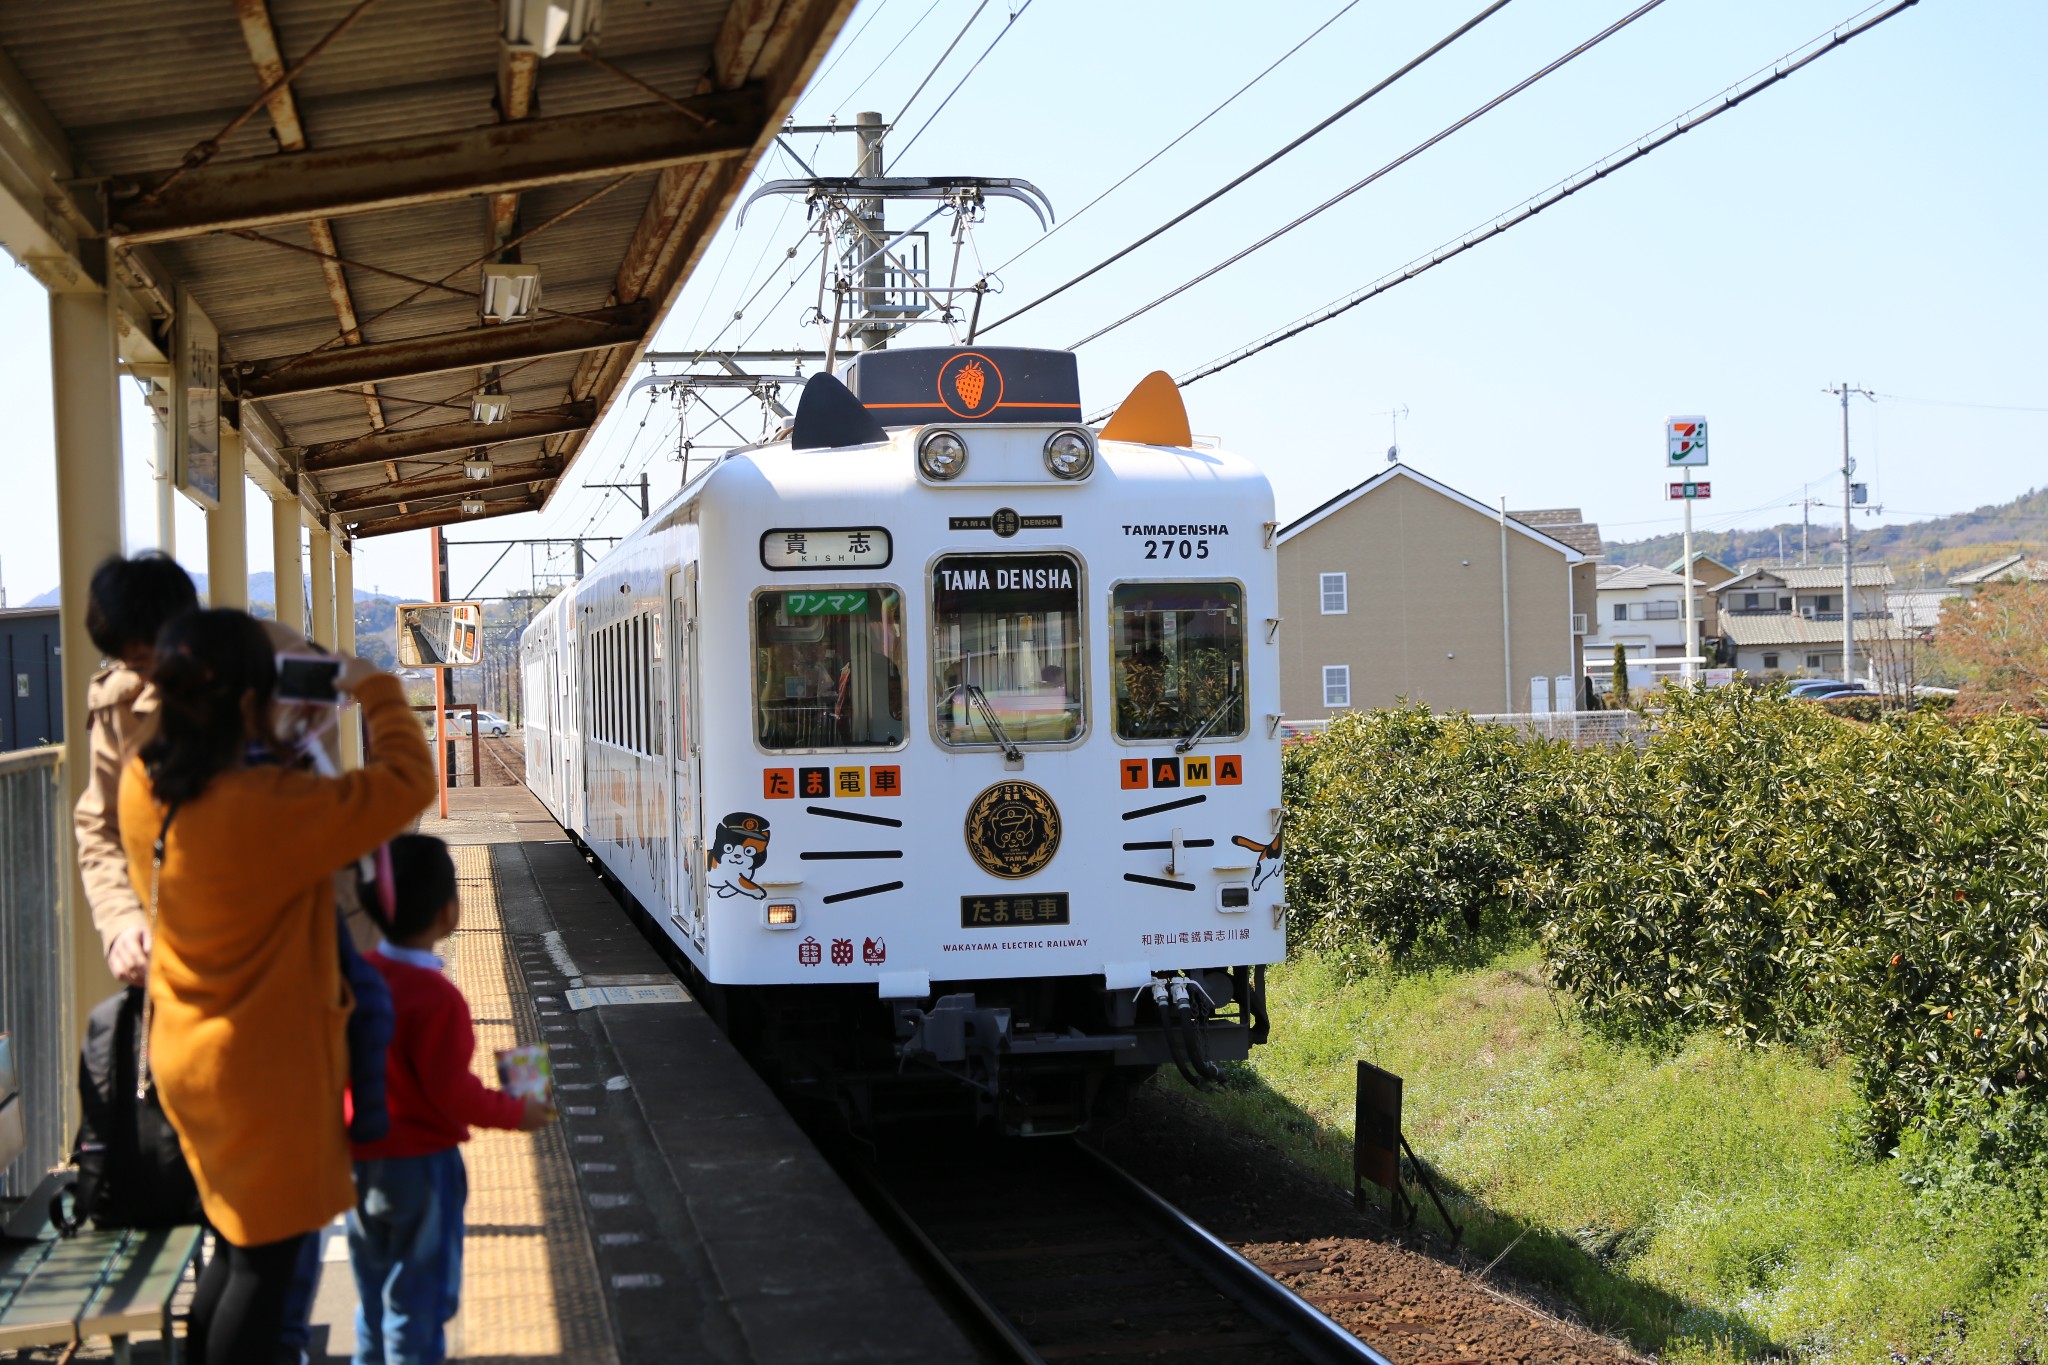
(685, 772)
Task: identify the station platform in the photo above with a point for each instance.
(675, 1213)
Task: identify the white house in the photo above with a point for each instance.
(1783, 619)
(1642, 609)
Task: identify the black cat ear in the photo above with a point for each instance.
(828, 415)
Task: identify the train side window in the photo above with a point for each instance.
(828, 667)
(1178, 664)
(1006, 640)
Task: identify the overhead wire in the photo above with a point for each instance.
(1181, 137)
(1432, 50)
(939, 63)
(1728, 99)
(849, 45)
(1548, 68)
(1945, 403)
(1001, 34)
(876, 70)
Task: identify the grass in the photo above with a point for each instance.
(1707, 1204)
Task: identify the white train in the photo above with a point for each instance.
(940, 737)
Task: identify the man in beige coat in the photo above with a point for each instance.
(129, 602)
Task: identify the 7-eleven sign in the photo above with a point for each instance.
(1685, 441)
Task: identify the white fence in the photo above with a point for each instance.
(1583, 728)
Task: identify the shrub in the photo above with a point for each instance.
(1765, 872)
(1405, 826)
(1865, 709)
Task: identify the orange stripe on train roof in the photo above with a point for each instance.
(940, 407)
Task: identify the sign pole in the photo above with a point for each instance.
(1685, 444)
(1688, 670)
(440, 688)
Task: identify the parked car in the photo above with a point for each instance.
(1821, 687)
(488, 722)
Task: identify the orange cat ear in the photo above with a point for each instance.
(1153, 415)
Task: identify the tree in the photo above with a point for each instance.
(1620, 677)
(1997, 644)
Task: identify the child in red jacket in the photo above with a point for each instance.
(405, 1234)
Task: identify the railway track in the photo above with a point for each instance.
(1056, 1254)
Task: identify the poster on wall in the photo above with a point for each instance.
(195, 395)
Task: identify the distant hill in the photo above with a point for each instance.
(1944, 545)
(262, 592)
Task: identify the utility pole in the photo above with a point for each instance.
(874, 275)
(1805, 506)
(1848, 537)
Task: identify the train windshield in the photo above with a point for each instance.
(1006, 649)
(1179, 662)
(828, 668)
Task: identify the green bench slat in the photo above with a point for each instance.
(45, 1312)
(95, 1284)
(145, 1274)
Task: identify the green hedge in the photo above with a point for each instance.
(1406, 828)
(1757, 868)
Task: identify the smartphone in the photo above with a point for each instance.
(308, 678)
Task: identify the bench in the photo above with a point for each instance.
(55, 1291)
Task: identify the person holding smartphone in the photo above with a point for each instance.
(248, 1046)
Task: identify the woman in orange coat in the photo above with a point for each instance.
(248, 1047)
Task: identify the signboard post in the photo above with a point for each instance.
(1685, 447)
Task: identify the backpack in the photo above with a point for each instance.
(131, 1170)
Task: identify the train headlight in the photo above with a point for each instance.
(780, 915)
(941, 455)
(1068, 455)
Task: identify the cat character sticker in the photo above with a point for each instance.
(1269, 856)
(737, 851)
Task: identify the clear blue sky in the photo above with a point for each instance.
(1877, 218)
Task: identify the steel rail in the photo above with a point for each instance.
(869, 1188)
(1301, 1327)
(1307, 1328)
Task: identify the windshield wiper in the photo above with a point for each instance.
(995, 727)
(1201, 732)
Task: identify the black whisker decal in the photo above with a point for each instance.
(1161, 845)
(1159, 809)
(1159, 881)
(850, 854)
(831, 814)
(871, 891)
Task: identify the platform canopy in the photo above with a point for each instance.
(362, 195)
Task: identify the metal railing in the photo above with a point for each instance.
(1583, 728)
(35, 953)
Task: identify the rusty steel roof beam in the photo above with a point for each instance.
(419, 521)
(260, 37)
(382, 361)
(434, 167)
(419, 443)
(445, 485)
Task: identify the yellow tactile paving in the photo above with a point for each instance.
(529, 1284)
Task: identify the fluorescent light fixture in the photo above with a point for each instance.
(511, 292)
(477, 466)
(472, 507)
(551, 26)
(490, 406)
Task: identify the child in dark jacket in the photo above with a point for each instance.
(405, 1234)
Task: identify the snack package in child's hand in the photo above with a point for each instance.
(526, 1071)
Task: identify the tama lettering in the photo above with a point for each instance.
(1173, 529)
(1006, 579)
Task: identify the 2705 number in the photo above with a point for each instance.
(1176, 549)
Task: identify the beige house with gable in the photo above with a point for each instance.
(1403, 587)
